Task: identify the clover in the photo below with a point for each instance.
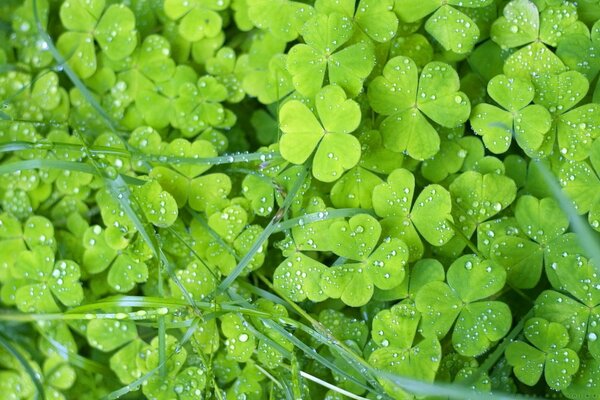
(544, 225)
(126, 268)
(113, 28)
(452, 28)
(578, 51)
(422, 272)
(222, 67)
(579, 309)
(16, 237)
(185, 181)
(347, 67)
(232, 237)
(149, 65)
(107, 335)
(549, 355)
(31, 48)
(374, 18)
(580, 181)
(375, 156)
(198, 107)
(478, 323)
(268, 354)
(157, 103)
(197, 19)
(373, 266)
(524, 25)
(529, 123)
(575, 128)
(430, 214)
(282, 18)
(405, 98)
(240, 342)
(355, 188)
(263, 70)
(476, 198)
(336, 149)
(199, 281)
(41, 281)
(183, 381)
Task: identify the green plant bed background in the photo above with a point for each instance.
(274, 199)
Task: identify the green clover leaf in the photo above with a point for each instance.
(375, 18)
(420, 361)
(197, 18)
(198, 280)
(299, 277)
(347, 67)
(241, 342)
(354, 189)
(580, 181)
(282, 18)
(101, 252)
(577, 50)
(530, 123)
(381, 267)
(478, 197)
(589, 369)
(113, 28)
(375, 157)
(478, 323)
(159, 207)
(157, 104)
(406, 98)
(452, 28)
(575, 128)
(522, 23)
(544, 223)
(124, 363)
(397, 326)
(336, 149)
(259, 191)
(429, 214)
(107, 335)
(198, 107)
(43, 280)
(549, 355)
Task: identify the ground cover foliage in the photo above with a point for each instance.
(274, 199)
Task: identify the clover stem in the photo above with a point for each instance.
(465, 239)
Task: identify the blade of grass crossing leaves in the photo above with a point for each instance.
(586, 236)
(269, 229)
(61, 165)
(110, 123)
(39, 389)
(135, 385)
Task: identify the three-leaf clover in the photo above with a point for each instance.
(347, 67)
(381, 266)
(544, 223)
(406, 98)
(575, 128)
(452, 28)
(336, 149)
(479, 323)
(530, 123)
(42, 281)
(478, 197)
(430, 214)
(197, 18)
(113, 28)
(549, 355)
